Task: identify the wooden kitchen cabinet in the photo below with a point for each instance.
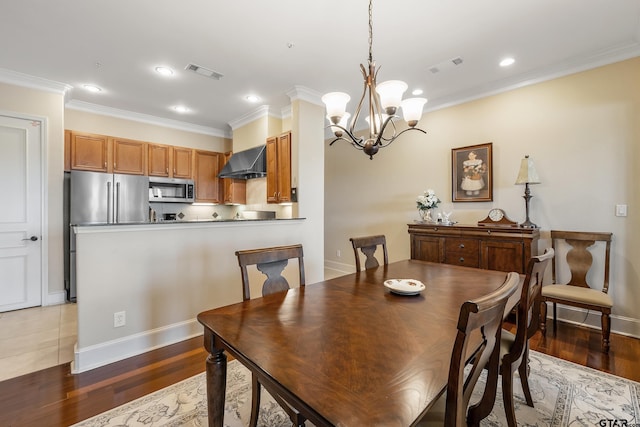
(279, 168)
(159, 159)
(129, 156)
(169, 161)
(491, 248)
(100, 153)
(181, 162)
(206, 170)
(234, 190)
(89, 152)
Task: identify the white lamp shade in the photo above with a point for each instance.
(390, 93)
(343, 122)
(412, 108)
(527, 173)
(336, 103)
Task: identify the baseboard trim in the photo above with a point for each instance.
(95, 356)
(591, 319)
(56, 298)
(339, 267)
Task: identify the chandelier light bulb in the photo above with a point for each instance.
(336, 103)
(412, 110)
(390, 93)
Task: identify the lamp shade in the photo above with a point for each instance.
(412, 109)
(336, 103)
(390, 93)
(527, 173)
(343, 122)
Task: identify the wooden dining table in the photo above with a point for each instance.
(347, 351)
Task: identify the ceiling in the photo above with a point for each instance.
(267, 48)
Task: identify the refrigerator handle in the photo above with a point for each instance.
(109, 204)
(117, 201)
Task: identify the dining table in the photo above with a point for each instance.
(349, 351)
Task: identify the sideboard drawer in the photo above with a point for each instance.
(462, 246)
(464, 259)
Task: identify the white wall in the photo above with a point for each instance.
(582, 132)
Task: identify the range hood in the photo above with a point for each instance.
(251, 163)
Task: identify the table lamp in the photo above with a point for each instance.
(527, 175)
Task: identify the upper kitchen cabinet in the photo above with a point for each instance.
(206, 170)
(169, 161)
(129, 156)
(159, 159)
(89, 152)
(279, 168)
(181, 161)
(235, 190)
(100, 153)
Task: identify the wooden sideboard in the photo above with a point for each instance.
(491, 248)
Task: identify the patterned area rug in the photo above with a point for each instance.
(565, 394)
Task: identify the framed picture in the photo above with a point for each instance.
(472, 173)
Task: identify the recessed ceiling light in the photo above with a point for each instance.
(92, 88)
(181, 108)
(417, 92)
(506, 62)
(165, 71)
(252, 98)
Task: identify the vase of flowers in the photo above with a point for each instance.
(425, 202)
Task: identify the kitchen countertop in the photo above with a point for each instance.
(186, 222)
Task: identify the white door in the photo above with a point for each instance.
(20, 213)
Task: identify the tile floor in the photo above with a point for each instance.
(36, 338)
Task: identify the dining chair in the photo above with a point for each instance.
(271, 262)
(481, 317)
(578, 292)
(368, 246)
(514, 348)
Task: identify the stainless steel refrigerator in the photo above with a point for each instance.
(101, 198)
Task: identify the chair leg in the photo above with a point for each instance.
(523, 370)
(554, 316)
(255, 401)
(543, 318)
(507, 397)
(606, 332)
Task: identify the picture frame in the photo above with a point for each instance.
(472, 173)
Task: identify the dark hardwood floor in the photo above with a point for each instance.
(53, 397)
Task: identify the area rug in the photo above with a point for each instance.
(565, 394)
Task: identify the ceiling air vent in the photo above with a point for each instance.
(445, 65)
(204, 71)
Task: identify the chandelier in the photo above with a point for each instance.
(384, 99)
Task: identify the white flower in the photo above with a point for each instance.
(427, 200)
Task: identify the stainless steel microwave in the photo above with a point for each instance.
(171, 190)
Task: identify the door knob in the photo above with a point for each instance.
(32, 238)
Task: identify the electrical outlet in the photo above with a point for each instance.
(119, 319)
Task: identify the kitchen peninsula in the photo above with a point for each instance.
(161, 275)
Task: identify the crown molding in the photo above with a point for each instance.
(571, 66)
(25, 80)
(258, 113)
(303, 93)
(145, 118)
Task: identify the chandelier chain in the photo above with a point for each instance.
(370, 30)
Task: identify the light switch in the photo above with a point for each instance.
(621, 210)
